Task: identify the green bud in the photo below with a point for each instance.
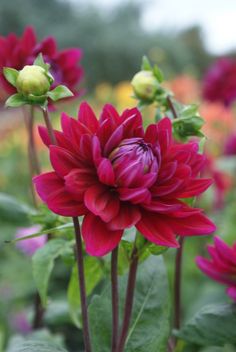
(33, 81)
(145, 85)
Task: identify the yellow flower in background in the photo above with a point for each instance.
(123, 95)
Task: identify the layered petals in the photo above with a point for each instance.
(119, 176)
(221, 266)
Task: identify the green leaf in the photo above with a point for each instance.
(39, 61)
(158, 74)
(15, 101)
(93, 274)
(13, 211)
(59, 92)
(36, 346)
(213, 325)
(146, 66)
(43, 262)
(150, 325)
(11, 75)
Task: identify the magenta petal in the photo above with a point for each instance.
(162, 207)
(62, 160)
(78, 181)
(195, 187)
(135, 195)
(99, 240)
(225, 251)
(87, 117)
(106, 173)
(128, 216)
(114, 140)
(62, 203)
(196, 224)
(155, 230)
(47, 184)
(100, 201)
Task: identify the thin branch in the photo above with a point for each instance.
(172, 108)
(80, 264)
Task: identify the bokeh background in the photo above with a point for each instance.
(184, 38)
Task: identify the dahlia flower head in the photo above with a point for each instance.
(221, 266)
(117, 175)
(219, 84)
(16, 52)
(30, 245)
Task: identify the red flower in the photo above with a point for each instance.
(17, 52)
(220, 82)
(119, 176)
(230, 145)
(221, 266)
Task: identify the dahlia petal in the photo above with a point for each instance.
(28, 40)
(132, 122)
(135, 195)
(159, 206)
(69, 57)
(209, 269)
(231, 292)
(62, 141)
(224, 250)
(62, 203)
(166, 189)
(196, 224)
(47, 184)
(164, 133)
(128, 216)
(101, 202)
(78, 181)
(110, 113)
(47, 47)
(167, 171)
(151, 134)
(99, 240)
(195, 187)
(155, 230)
(62, 160)
(114, 140)
(106, 173)
(96, 150)
(87, 117)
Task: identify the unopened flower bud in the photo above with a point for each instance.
(33, 80)
(145, 85)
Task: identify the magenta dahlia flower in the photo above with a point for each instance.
(220, 82)
(17, 52)
(221, 266)
(117, 175)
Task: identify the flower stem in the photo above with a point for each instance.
(115, 298)
(177, 284)
(129, 299)
(38, 313)
(172, 108)
(49, 126)
(80, 263)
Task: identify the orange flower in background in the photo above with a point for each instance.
(219, 123)
(185, 88)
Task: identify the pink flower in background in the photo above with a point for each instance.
(29, 246)
(219, 84)
(20, 323)
(118, 176)
(17, 52)
(230, 145)
(221, 266)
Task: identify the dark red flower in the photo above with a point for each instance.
(221, 266)
(17, 52)
(118, 176)
(220, 82)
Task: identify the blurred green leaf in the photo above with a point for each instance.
(213, 325)
(43, 262)
(36, 346)
(15, 100)
(146, 66)
(93, 274)
(39, 61)
(158, 74)
(150, 326)
(13, 211)
(59, 92)
(11, 75)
